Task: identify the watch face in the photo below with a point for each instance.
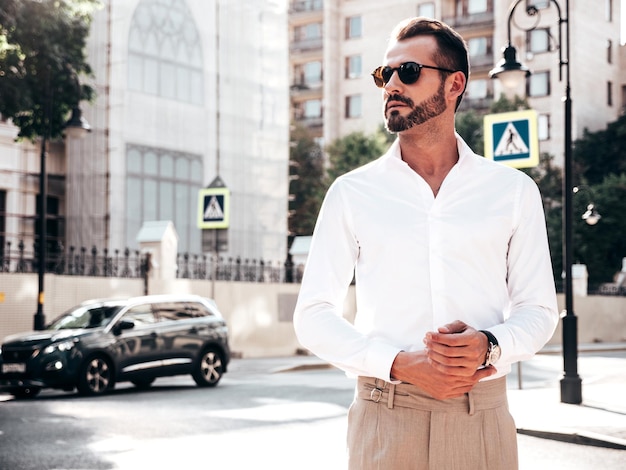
(494, 354)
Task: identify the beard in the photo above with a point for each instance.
(426, 110)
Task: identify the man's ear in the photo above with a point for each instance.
(457, 83)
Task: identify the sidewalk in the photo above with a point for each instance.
(601, 418)
(599, 421)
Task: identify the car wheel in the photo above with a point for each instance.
(143, 383)
(24, 392)
(96, 376)
(209, 368)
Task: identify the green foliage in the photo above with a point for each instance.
(469, 125)
(307, 182)
(355, 150)
(42, 56)
(601, 153)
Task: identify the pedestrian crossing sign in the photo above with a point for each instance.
(213, 208)
(511, 138)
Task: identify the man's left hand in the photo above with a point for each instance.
(456, 349)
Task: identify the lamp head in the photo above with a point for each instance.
(509, 70)
(591, 215)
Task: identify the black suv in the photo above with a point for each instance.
(98, 343)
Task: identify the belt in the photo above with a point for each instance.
(484, 396)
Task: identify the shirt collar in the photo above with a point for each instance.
(463, 149)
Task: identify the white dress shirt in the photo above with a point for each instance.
(478, 252)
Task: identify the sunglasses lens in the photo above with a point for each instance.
(386, 74)
(378, 77)
(409, 72)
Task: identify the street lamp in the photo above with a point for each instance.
(76, 126)
(511, 71)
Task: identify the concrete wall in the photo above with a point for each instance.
(259, 314)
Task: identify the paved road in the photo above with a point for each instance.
(258, 417)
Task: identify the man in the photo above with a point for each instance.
(452, 274)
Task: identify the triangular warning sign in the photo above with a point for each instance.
(213, 211)
(511, 143)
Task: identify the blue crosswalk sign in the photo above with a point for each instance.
(511, 138)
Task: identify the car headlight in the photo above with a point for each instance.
(62, 346)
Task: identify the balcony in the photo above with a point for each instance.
(475, 21)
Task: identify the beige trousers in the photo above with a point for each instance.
(399, 427)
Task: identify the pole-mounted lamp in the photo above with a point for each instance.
(591, 215)
(511, 72)
(75, 127)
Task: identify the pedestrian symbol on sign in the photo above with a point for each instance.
(214, 209)
(511, 143)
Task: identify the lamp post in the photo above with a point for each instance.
(77, 126)
(511, 71)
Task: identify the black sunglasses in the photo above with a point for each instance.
(408, 73)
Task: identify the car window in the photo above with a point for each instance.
(168, 311)
(84, 317)
(140, 315)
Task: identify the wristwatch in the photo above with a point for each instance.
(493, 349)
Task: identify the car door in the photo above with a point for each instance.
(182, 331)
(140, 348)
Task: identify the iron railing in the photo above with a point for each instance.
(129, 263)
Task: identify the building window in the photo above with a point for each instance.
(307, 32)
(608, 6)
(353, 66)
(479, 47)
(543, 126)
(312, 109)
(353, 27)
(477, 6)
(353, 106)
(539, 84)
(477, 89)
(609, 51)
(538, 40)
(164, 52)
(609, 93)
(538, 4)
(426, 9)
(163, 185)
(308, 74)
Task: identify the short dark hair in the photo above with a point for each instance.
(452, 50)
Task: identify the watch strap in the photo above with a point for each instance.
(490, 337)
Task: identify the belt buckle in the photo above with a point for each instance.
(377, 393)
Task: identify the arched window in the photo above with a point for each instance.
(164, 52)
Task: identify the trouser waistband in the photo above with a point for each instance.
(484, 396)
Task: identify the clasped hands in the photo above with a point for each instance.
(449, 366)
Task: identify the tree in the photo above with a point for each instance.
(469, 125)
(42, 55)
(307, 181)
(598, 154)
(354, 150)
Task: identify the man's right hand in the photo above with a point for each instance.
(415, 368)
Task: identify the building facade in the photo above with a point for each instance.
(333, 93)
(187, 91)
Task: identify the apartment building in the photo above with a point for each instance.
(333, 94)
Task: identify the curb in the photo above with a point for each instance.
(577, 437)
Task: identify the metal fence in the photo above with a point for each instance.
(134, 264)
